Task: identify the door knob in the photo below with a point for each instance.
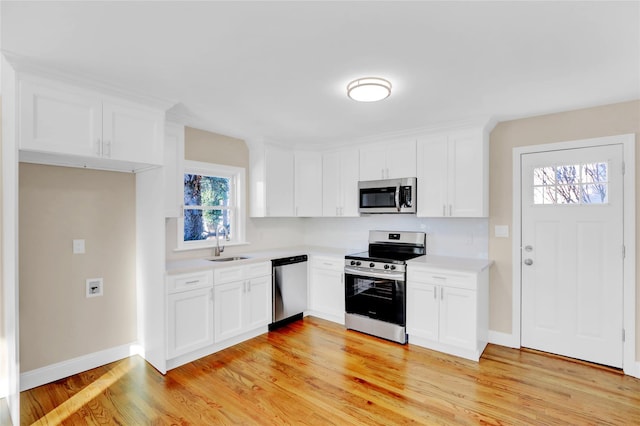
(528, 262)
(528, 248)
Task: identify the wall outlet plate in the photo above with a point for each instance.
(94, 287)
(501, 231)
(78, 246)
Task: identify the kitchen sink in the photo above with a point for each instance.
(227, 259)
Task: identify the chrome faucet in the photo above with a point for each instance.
(219, 250)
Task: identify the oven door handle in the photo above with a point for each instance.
(396, 276)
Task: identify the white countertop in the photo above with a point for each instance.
(194, 265)
(460, 264)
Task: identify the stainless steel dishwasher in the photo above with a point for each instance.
(289, 286)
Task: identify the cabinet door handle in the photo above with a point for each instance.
(108, 149)
(99, 147)
(248, 286)
(382, 173)
(435, 293)
(192, 282)
(450, 209)
(441, 293)
(444, 210)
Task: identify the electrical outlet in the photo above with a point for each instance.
(78, 246)
(501, 231)
(94, 287)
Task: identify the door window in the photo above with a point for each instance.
(585, 183)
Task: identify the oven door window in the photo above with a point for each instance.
(378, 298)
(378, 197)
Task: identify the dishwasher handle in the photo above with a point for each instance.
(289, 260)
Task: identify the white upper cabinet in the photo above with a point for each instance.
(340, 174)
(452, 171)
(308, 184)
(388, 160)
(272, 182)
(173, 169)
(63, 123)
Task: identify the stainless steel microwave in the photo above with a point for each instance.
(387, 196)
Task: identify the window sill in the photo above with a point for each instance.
(210, 246)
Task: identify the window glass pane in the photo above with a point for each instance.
(595, 194)
(568, 194)
(206, 190)
(538, 195)
(544, 176)
(594, 172)
(204, 224)
(568, 174)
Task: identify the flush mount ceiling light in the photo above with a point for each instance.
(369, 89)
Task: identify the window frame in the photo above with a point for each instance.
(237, 176)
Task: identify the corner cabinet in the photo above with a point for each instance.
(189, 312)
(326, 288)
(447, 310)
(68, 125)
(340, 174)
(242, 299)
(272, 181)
(453, 174)
(388, 160)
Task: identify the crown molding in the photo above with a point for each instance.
(24, 65)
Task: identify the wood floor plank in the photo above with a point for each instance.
(315, 372)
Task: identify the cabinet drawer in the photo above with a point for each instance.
(257, 270)
(227, 275)
(189, 281)
(244, 272)
(327, 263)
(442, 278)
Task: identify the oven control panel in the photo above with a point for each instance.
(378, 266)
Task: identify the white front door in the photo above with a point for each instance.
(572, 253)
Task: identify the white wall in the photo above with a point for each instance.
(460, 237)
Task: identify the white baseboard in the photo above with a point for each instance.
(503, 339)
(60, 370)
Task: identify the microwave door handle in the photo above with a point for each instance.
(398, 197)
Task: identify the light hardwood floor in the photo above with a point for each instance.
(313, 372)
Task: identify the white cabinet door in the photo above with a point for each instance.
(349, 176)
(279, 183)
(432, 177)
(131, 133)
(229, 310)
(466, 180)
(258, 302)
(458, 322)
(59, 119)
(331, 184)
(308, 184)
(373, 162)
(452, 175)
(340, 174)
(173, 169)
(423, 310)
(190, 321)
(326, 295)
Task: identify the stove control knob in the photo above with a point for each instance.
(371, 265)
(358, 263)
(393, 267)
(386, 266)
(353, 262)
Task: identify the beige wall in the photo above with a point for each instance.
(588, 123)
(57, 205)
(208, 147)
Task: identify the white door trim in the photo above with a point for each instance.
(630, 366)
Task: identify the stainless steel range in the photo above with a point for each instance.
(375, 284)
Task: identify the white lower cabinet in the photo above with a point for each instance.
(448, 310)
(190, 312)
(243, 304)
(326, 288)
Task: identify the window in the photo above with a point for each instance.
(213, 208)
(571, 184)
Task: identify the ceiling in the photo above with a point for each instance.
(278, 70)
